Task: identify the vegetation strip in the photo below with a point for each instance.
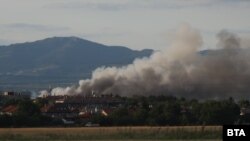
(113, 133)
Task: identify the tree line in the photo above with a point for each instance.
(169, 110)
(28, 114)
(140, 111)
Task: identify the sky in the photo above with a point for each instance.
(136, 24)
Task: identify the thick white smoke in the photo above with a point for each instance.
(179, 70)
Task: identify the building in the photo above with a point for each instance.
(80, 107)
(8, 110)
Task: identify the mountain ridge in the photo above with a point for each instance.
(62, 57)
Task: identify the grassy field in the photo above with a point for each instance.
(173, 133)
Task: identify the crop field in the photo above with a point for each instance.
(173, 133)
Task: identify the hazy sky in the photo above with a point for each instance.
(136, 24)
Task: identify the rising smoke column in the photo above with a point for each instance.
(179, 71)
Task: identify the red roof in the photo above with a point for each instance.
(10, 109)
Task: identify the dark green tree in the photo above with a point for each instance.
(219, 112)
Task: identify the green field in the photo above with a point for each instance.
(173, 133)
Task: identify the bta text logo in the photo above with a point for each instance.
(235, 132)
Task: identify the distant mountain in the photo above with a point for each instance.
(59, 59)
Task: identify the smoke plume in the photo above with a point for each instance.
(180, 70)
